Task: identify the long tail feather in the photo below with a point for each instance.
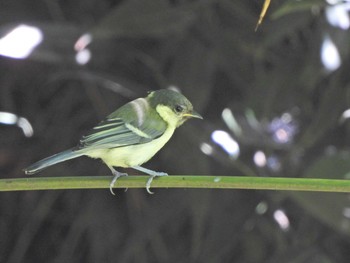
(57, 158)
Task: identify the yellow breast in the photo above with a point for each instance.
(132, 155)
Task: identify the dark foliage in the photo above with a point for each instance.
(268, 92)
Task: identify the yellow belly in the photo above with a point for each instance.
(133, 155)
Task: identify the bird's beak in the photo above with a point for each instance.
(193, 114)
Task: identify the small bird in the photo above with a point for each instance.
(131, 135)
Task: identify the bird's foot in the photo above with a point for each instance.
(150, 179)
(115, 178)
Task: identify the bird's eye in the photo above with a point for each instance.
(179, 109)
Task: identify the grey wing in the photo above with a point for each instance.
(114, 132)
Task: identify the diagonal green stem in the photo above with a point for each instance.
(209, 182)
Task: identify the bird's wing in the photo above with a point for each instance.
(120, 129)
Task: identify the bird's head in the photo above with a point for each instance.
(172, 106)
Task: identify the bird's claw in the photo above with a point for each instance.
(150, 179)
(114, 180)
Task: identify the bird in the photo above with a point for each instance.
(131, 135)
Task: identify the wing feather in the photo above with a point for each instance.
(123, 128)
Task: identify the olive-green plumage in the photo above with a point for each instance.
(131, 135)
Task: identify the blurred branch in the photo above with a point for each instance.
(262, 13)
(210, 182)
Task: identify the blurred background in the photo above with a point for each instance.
(276, 102)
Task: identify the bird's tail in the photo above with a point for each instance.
(57, 158)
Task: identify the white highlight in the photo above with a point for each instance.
(330, 55)
(217, 179)
(345, 115)
(206, 148)
(282, 135)
(260, 159)
(12, 119)
(282, 219)
(226, 142)
(83, 42)
(83, 56)
(338, 16)
(20, 42)
(8, 118)
(333, 2)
